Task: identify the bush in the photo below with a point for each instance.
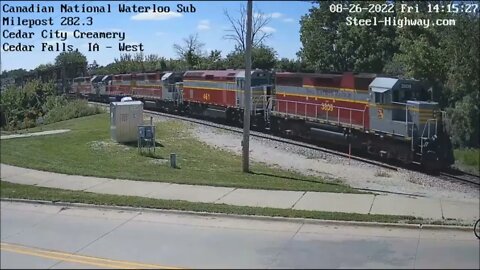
(21, 106)
(37, 102)
(463, 122)
(64, 110)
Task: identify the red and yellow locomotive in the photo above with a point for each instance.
(386, 116)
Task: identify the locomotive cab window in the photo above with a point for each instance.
(239, 83)
(399, 96)
(381, 95)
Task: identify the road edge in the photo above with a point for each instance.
(252, 217)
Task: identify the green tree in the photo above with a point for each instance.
(73, 63)
(214, 60)
(330, 45)
(263, 57)
(461, 86)
(14, 73)
(291, 65)
(47, 72)
(191, 50)
(447, 58)
(421, 53)
(463, 121)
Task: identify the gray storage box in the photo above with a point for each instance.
(125, 117)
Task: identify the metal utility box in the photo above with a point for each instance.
(125, 117)
(146, 137)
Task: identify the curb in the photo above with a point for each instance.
(251, 217)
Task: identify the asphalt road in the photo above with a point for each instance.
(46, 236)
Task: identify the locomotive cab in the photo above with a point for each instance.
(261, 87)
(82, 86)
(409, 126)
(169, 88)
(95, 81)
(106, 80)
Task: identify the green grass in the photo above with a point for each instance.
(88, 150)
(467, 159)
(17, 191)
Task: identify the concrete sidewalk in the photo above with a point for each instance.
(41, 133)
(436, 209)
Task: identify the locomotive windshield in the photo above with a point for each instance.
(388, 90)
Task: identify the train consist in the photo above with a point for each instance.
(385, 116)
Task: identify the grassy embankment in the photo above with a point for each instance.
(88, 150)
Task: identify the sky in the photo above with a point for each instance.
(157, 31)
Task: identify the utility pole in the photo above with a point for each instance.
(63, 79)
(247, 91)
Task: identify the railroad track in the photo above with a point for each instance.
(267, 137)
(461, 176)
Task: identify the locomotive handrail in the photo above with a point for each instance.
(309, 103)
(422, 137)
(428, 129)
(263, 100)
(316, 106)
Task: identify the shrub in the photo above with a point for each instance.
(70, 109)
(21, 106)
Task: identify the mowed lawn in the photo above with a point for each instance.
(88, 150)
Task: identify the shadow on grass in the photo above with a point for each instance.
(151, 154)
(295, 179)
(135, 144)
